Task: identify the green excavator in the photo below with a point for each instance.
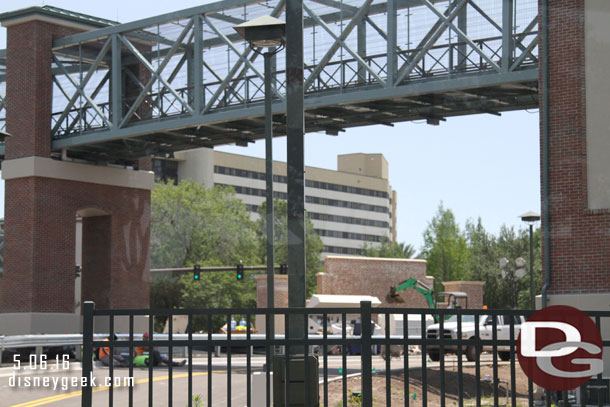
(428, 294)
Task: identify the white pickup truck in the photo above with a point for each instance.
(450, 329)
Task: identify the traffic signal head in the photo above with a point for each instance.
(283, 268)
(196, 272)
(240, 271)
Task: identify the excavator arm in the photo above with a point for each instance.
(420, 287)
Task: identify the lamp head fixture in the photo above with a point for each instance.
(265, 31)
(530, 217)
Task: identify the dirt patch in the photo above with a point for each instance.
(433, 386)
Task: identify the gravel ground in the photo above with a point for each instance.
(335, 389)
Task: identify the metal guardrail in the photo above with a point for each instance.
(446, 382)
(44, 340)
(49, 340)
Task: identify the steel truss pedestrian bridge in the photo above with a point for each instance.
(186, 79)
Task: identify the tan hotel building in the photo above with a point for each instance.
(349, 208)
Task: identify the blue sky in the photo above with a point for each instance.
(478, 166)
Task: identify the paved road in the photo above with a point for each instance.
(15, 394)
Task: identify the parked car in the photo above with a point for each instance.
(450, 331)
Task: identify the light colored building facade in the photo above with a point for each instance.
(349, 208)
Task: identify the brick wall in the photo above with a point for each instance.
(29, 86)
(39, 260)
(580, 238)
(373, 276)
(40, 213)
(280, 299)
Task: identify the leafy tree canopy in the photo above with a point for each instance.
(210, 227)
(486, 250)
(313, 243)
(445, 248)
(390, 250)
(474, 254)
(195, 225)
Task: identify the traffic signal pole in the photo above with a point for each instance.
(197, 270)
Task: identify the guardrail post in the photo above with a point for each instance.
(86, 398)
(366, 354)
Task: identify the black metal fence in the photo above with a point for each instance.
(467, 359)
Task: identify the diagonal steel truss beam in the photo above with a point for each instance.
(340, 42)
(156, 74)
(171, 77)
(84, 82)
(519, 40)
(338, 5)
(524, 54)
(236, 67)
(80, 89)
(242, 56)
(226, 18)
(449, 23)
(430, 39)
(94, 94)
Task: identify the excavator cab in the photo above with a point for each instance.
(452, 298)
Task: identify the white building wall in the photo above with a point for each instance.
(323, 209)
(200, 167)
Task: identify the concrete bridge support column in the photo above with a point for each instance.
(44, 196)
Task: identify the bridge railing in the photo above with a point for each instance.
(413, 368)
(191, 63)
(440, 60)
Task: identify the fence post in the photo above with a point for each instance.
(366, 354)
(87, 362)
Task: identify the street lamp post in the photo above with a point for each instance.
(511, 273)
(267, 32)
(531, 217)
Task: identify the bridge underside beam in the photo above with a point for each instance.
(332, 112)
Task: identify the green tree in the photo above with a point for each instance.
(210, 227)
(390, 250)
(486, 251)
(483, 264)
(313, 243)
(445, 248)
(195, 225)
(165, 292)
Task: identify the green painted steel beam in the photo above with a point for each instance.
(312, 101)
(208, 9)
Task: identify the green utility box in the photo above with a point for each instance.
(296, 384)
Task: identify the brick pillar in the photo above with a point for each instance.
(280, 300)
(28, 72)
(579, 168)
(579, 206)
(44, 196)
(29, 219)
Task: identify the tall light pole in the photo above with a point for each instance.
(267, 32)
(531, 218)
(511, 272)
